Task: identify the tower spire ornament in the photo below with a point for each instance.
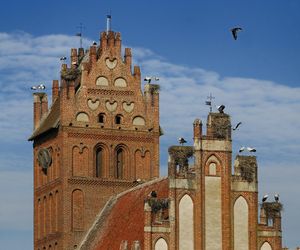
(209, 101)
(79, 34)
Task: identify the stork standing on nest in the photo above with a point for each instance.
(265, 197)
(181, 141)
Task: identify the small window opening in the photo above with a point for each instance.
(101, 118)
(118, 119)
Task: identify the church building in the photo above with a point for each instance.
(96, 168)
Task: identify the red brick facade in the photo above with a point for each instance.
(102, 134)
(100, 140)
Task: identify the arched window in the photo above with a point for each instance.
(101, 118)
(99, 162)
(119, 163)
(118, 119)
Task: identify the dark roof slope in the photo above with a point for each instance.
(49, 122)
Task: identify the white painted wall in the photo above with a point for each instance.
(186, 223)
(161, 244)
(213, 216)
(266, 246)
(241, 227)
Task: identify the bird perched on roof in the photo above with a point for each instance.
(38, 87)
(237, 125)
(242, 149)
(181, 141)
(251, 149)
(137, 181)
(265, 197)
(153, 194)
(234, 32)
(221, 108)
(276, 197)
(94, 43)
(149, 78)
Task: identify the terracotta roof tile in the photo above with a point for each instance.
(125, 218)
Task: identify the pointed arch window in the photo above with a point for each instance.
(119, 163)
(99, 162)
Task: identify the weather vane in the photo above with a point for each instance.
(209, 102)
(80, 27)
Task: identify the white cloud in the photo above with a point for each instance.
(268, 112)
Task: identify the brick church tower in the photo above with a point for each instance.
(99, 137)
(96, 169)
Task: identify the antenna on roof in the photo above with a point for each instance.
(108, 23)
(80, 27)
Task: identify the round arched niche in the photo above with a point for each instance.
(120, 82)
(102, 81)
(82, 117)
(138, 121)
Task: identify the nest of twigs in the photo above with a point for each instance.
(272, 208)
(158, 204)
(154, 88)
(70, 74)
(247, 172)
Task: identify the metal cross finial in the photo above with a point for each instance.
(80, 27)
(209, 102)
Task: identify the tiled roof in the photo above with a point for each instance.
(50, 121)
(123, 218)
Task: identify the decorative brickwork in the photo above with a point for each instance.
(99, 136)
(96, 168)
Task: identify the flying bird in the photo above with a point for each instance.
(234, 32)
(63, 58)
(221, 108)
(181, 141)
(265, 197)
(34, 88)
(251, 149)
(276, 197)
(241, 149)
(94, 43)
(236, 127)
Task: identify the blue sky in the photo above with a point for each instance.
(189, 46)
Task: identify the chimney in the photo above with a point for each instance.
(55, 90)
(40, 107)
(197, 129)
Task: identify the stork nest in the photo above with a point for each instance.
(272, 208)
(70, 74)
(154, 88)
(247, 172)
(158, 204)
